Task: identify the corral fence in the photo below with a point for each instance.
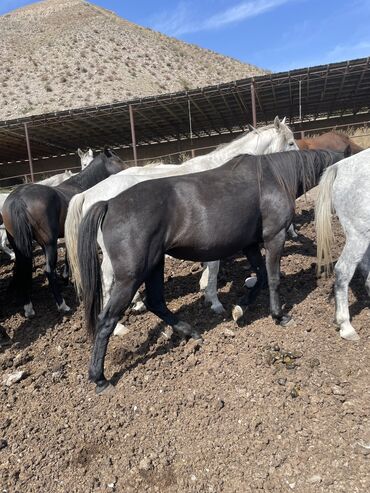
(358, 132)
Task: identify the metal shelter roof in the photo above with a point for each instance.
(304, 94)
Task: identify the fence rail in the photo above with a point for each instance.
(180, 156)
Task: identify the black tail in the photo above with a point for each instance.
(22, 229)
(90, 265)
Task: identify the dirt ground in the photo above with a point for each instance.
(236, 414)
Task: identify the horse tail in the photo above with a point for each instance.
(323, 211)
(21, 226)
(71, 229)
(89, 264)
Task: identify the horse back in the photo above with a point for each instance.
(45, 207)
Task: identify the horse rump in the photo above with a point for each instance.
(21, 226)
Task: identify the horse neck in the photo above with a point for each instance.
(252, 143)
(86, 178)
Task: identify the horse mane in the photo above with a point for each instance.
(290, 169)
(95, 168)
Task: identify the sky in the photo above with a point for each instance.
(273, 34)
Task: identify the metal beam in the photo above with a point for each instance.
(132, 125)
(29, 152)
(253, 97)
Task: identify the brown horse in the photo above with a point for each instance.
(333, 141)
(37, 212)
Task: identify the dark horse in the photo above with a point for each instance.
(38, 212)
(199, 217)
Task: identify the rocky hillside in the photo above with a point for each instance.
(60, 54)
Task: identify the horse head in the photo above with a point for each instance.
(284, 138)
(86, 157)
(272, 138)
(113, 163)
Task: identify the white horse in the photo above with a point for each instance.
(52, 181)
(86, 157)
(55, 180)
(345, 187)
(269, 139)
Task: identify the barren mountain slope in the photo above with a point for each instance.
(60, 54)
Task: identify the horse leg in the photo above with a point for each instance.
(107, 280)
(365, 269)
(3, 245)
(138, 303)
(274, 249)
(210, 292)
(203, 281)
(23, 278)
(156, 303)
(292, 232)
(344, 269)
(51, 254)
(255, 258)
(65, 273)
(121, 296)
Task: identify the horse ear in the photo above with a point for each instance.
(251, 127)
(283, 120)
(80, 153)
(277, 123)
(90, 153)
(107, 151)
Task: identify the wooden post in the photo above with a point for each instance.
(29, 152)
(253, 97)
(133, 136)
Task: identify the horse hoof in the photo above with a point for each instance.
(121, 330)
(139, 307)
(237, 313)
(250, 282)
(183, 328)
(105, 388)
(219, 309)
(285, 321)
(349, 335)
(63, 308)
(29, 312)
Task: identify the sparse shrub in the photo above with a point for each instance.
(48, 88)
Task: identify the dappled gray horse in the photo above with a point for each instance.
(345, 188)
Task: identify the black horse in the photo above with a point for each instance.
(38, 212)
(199, 217)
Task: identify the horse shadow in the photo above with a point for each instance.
(294, 289)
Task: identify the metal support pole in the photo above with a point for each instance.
(302, 134)
(253, 96)
(29, 151)
(133, 136)
(191, 130)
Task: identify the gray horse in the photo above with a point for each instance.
(345, 187)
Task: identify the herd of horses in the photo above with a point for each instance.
(120, 222)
